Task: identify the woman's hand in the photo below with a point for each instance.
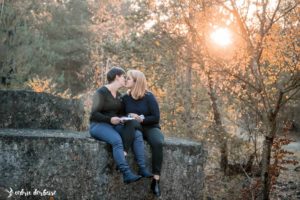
(115, 120)
(136, 117)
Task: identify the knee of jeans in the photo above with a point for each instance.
(117, 143)
(91, 125)
(91, 131)
(92, 128)
(138, 134)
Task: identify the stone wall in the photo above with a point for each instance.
(79, 167)
(27, 109)
(75, 166)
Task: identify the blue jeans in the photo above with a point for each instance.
(137, 146)
(139, 149)
(108, 133)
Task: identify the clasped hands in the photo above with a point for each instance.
(118, 120)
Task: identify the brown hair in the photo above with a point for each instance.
(113, 72)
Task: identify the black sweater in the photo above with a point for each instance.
(105, 106)
(146, 106)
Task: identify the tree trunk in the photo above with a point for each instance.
(265, 173)
(224, 156)
(188, 99)
(266, 154)
(267, 147)
(219, 125)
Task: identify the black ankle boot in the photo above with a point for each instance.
(129, 177)
(155, 187)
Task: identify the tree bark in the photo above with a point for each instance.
(266, 159)
(267, 147)
(219, 126)
(265, 173)
(188, 99)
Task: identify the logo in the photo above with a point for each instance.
(26, 193)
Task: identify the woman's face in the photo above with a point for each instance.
(121, 79)
(129, 82)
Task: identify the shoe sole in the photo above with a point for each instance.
(147, 176)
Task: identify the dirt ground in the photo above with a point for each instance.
(218, 187)
(288, 182)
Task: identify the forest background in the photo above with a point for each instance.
(241, 98)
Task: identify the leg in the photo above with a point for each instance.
(105, 132)
(139, 153)
(127, 133)
(127, 136)
(155, 139)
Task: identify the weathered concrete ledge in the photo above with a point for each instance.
(35, 159)
(76, 166)
(28, 109)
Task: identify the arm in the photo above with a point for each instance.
(96, 115)
(154, 116)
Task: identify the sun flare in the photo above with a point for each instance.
(221, 36)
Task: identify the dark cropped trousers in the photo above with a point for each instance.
(155, 139)
(151, 134)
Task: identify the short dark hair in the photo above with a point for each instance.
(113, 72)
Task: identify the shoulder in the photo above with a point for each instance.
(100, 92)
(150, 96)
(102, 89)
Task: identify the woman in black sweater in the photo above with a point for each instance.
(105, 121)
(141, 104)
